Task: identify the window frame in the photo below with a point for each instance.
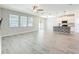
(10, 15)
(21, 19)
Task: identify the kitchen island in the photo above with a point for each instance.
(64, 29)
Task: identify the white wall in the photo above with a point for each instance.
(77, 23)
(42, 23)
(6, 30)
(50, 22)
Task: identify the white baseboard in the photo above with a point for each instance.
(18, 33)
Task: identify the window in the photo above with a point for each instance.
(30, 21)
(20, 21)
(14, 20)
(23, 21)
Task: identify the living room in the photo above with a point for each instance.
(34, 28)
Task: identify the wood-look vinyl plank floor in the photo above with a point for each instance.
(41, 42)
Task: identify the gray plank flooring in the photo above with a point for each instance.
(41, 42)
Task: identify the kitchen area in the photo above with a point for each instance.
(65, 23)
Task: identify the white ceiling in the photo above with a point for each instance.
(54, 9)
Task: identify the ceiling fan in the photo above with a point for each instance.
(37, 8)
(40, 11)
